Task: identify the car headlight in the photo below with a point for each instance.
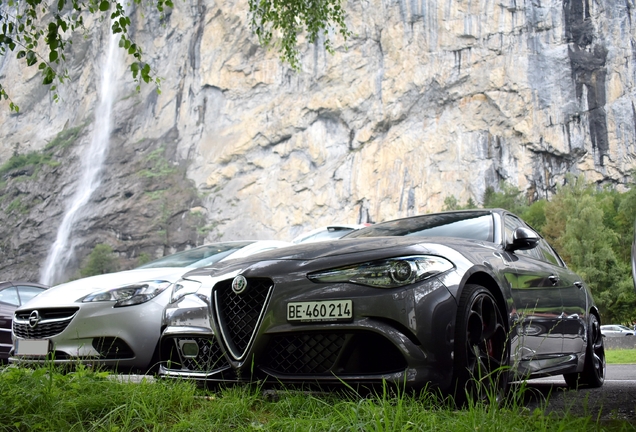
(387, 273)
(182, 288)
(130, 294)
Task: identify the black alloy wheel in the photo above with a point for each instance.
(482, 348)
(593, 375)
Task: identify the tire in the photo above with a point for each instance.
(593, 375)
(481, 365)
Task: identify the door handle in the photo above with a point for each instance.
(553, 279)
(578, 284)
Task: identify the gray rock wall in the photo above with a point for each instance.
(428, 99)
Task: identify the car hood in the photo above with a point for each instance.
(346, 251)
(71, 291)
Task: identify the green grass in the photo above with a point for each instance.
(620, 356)
(48, 400)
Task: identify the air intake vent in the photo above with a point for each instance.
(310, 354)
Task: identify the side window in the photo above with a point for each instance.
(10, 296)
(511, 223)
(548, 254)
(27, 293)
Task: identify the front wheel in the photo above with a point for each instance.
(481, 348)
(593, 375)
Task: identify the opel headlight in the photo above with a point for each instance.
(387, 273)
(182, 288)
(130, 294)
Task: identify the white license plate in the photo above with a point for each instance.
(328, 310)
(31, 347)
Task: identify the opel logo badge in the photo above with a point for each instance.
(239, 284)
(34, 319)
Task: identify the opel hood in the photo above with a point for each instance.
(69, 292)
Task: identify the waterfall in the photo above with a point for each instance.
(92, 162)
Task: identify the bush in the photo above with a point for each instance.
(100, 261)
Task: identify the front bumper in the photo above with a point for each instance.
(97, 334)
(402, 336)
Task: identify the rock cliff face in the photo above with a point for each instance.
(428, 99)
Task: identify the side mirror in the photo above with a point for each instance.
(523, 239)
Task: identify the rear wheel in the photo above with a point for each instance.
(481, 348)
(593, 374)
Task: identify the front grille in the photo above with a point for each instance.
(51, 323)
(312, 354)
(239, 315)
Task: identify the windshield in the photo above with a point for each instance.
(198, 257)
(475, 225)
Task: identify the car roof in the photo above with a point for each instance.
(20, 282)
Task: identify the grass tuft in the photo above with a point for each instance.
(620, 356)
(48, 399)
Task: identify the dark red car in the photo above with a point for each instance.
(13, 295)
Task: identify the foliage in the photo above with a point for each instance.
(580, 224)
(159, 166)
(37, 158)
(16, 204)
(143, 258)
(38, 32)
(534, 214)
(65, 138)
(509, 198)
(591, 228)
(293, 17)
(451, 203)
(24, 160)
(100, 261)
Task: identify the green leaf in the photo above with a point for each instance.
(49, 75)
(21, 54)
(31, 58)
(53, 56)
(104, 5)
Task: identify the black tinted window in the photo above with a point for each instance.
(511, 223)
(548, 253)
(477, 225)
